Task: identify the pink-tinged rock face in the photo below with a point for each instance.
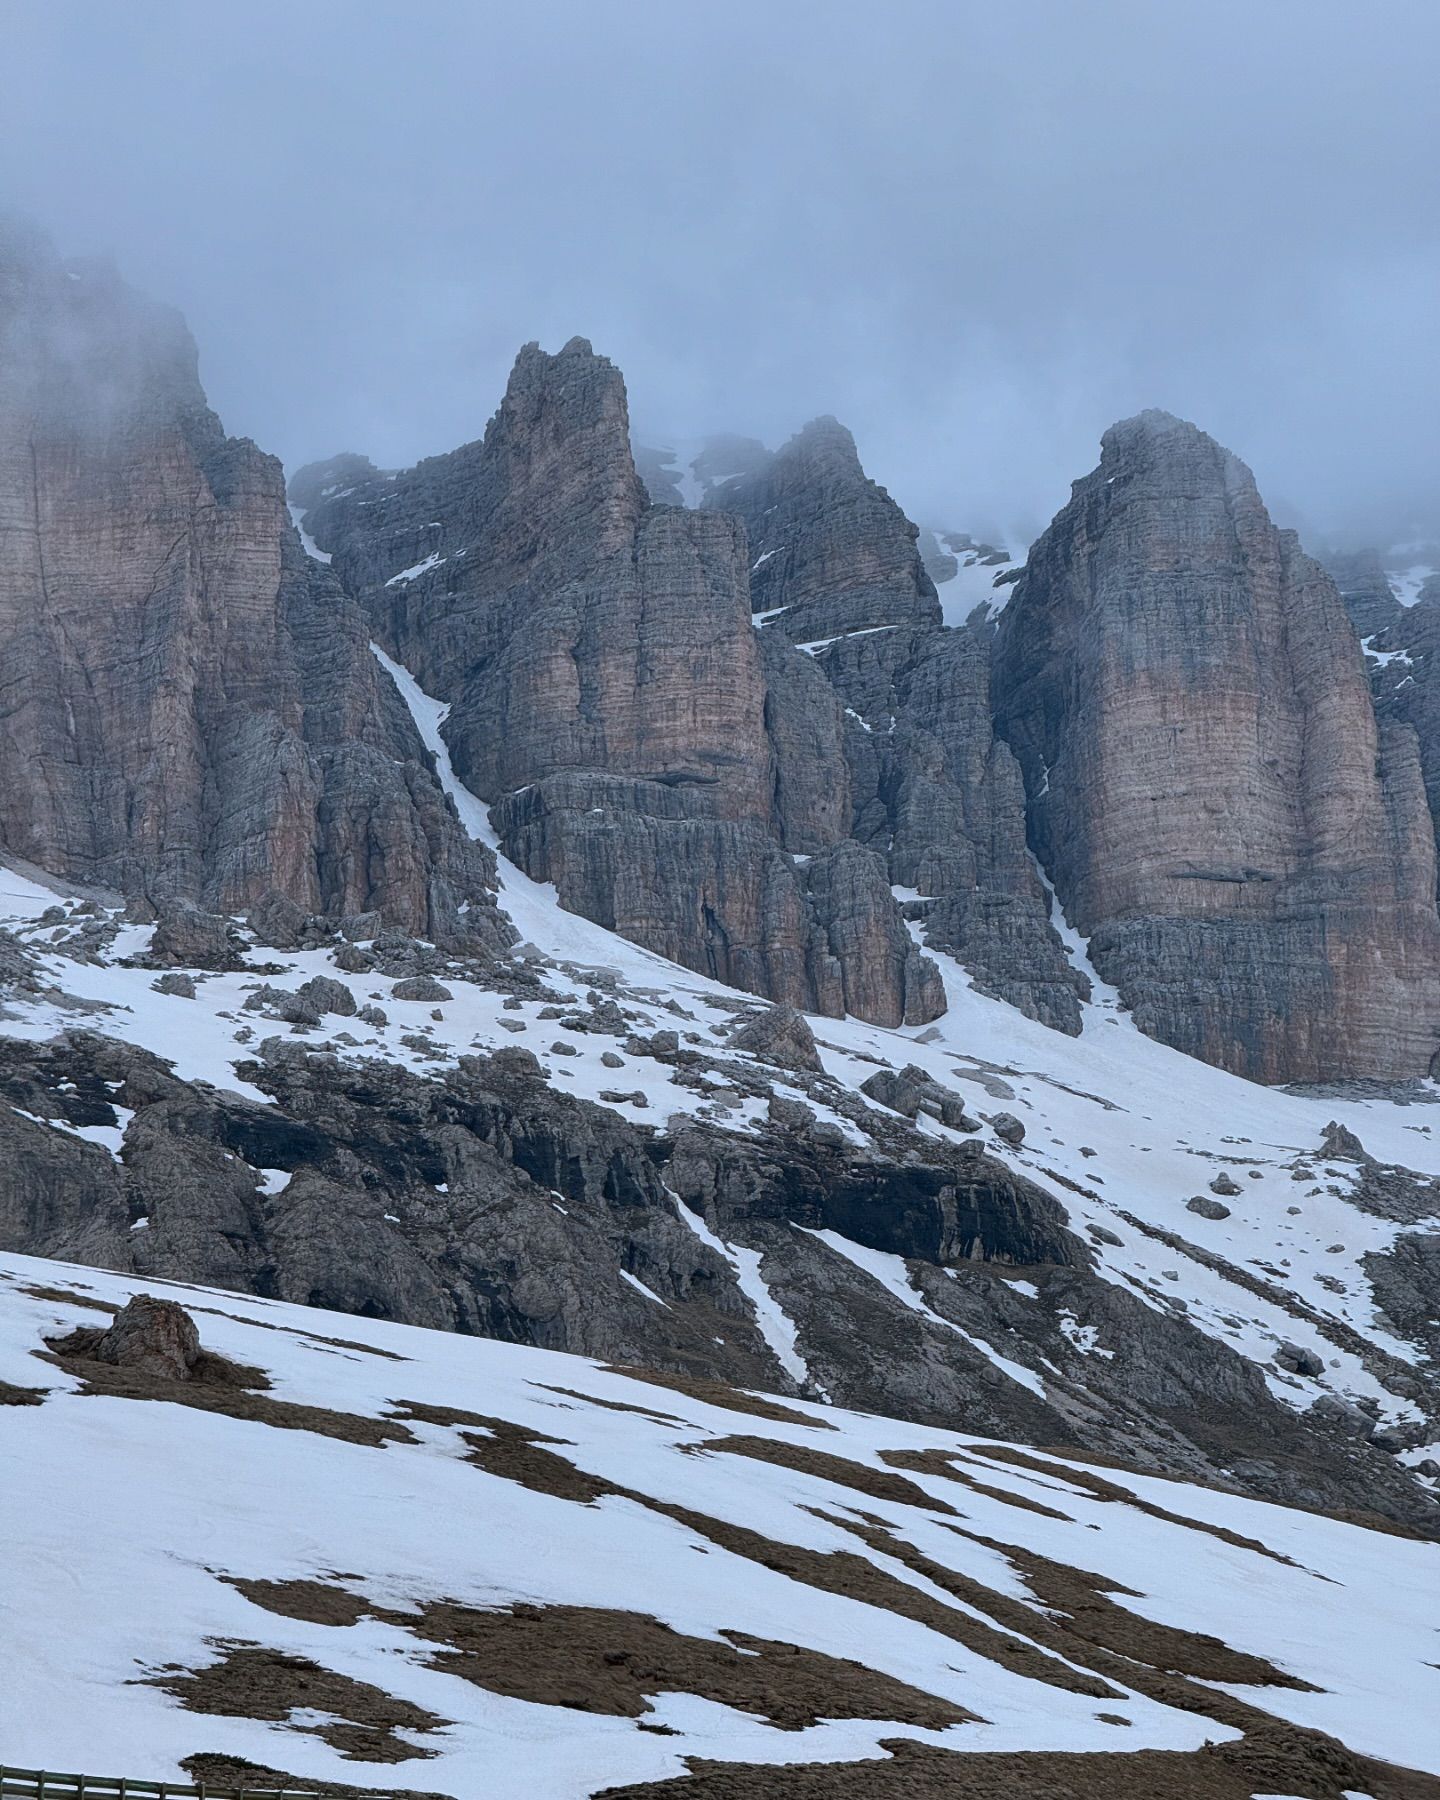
(1250, 854)
(192, 711)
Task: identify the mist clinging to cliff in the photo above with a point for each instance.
(975, 233)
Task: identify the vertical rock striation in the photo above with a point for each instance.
(1248, 852)
(609, 698)
(190, 709)
(844, 602)
(1404, 664)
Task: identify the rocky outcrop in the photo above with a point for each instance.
(1404, 664)
(830, 551)
(778, 1036)
(192, 712)
(1248, 852)
(837, 568)
(609, 697)
(526, 580)
(485, 1201)
(153, 1337)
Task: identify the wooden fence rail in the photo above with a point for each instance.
(46, 1784)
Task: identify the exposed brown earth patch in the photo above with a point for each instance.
(314, 1337)
(250, 1682)
(10, 1395)
(876, 1484)
(216, 1385)
(317, 1602)
(515, 1453)
(69, 1297)
(236, 1772)
(424, 1414)
(942, 1463)
(1273, 1759)
(593, 1659)
(857, 1578)
(716, 1393)
(1092, 1615)
(1110, 1490)
(623, 1406)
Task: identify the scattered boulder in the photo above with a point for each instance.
(1341, 1145)
(790, 1115)
(323, 994)
(353, 960)
(1225, 1184)
(899, 1092)
(611, 1059)
(175, 981)
(195, 939)
(373, 1015)
(155, 1337)
(1331, 1410)
(913, 1091)
(420, 987)
(1207, 1208)
(277, 921)
(1007, 1127)
(1298, 1360)
(779, 1035)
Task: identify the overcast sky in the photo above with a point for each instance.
(976, 232)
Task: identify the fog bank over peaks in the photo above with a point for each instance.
(977, 235)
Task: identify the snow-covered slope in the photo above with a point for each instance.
(200, 1570)
(969, 575)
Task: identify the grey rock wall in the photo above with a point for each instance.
(640, 745)
(1248, 852)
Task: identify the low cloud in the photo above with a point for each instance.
(976, 233)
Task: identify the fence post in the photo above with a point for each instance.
(40, 1785)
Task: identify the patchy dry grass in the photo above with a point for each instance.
(251, 1682)
(599, 1660)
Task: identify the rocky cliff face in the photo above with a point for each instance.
(1370, 602)
(838, 583)
(191, 711)
(831, 552)
(527, 580)
(609, 697)
(1247, 850)
(1403, 658)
